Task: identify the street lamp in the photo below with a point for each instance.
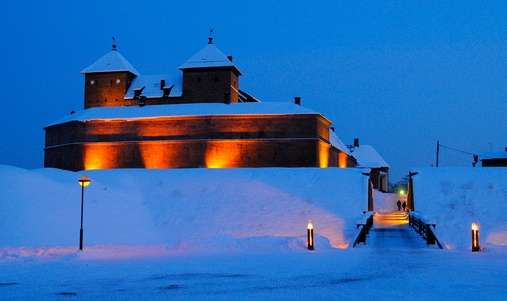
(309, 236)
(84, 181)
(475, 238)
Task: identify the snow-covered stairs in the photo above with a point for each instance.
(392, 231)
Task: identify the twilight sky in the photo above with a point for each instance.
(397, 74)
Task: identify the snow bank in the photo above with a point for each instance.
(182, 209)
(453, 198)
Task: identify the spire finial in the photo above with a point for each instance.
(114, 45)
(210, 37)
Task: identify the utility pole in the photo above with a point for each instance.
(438, 152)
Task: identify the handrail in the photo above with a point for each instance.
(365, 226)
(424, 229)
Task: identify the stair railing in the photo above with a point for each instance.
(365, 224)
(425, 229)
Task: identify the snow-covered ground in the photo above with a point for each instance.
(454, 198)
(229, 234)
(183, 210)
(352, 274)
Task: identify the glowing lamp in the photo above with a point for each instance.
(402, 192)
(84, 181)
(309, 236)
(475, 238)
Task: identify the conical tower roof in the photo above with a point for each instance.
(208, 57)
(112, 61)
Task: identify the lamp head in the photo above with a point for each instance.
(84, 181)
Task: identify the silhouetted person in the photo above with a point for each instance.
(404, 205)
(398, 203)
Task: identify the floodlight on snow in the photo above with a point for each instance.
(475, 238)
(84, 181)
(309, 236)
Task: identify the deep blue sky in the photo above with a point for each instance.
(399, 74)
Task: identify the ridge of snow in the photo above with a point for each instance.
(336, 142)
(197, 109)
(113, 61)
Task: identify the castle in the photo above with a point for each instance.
(199, 118)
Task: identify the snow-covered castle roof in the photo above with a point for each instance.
(179, 110)
(368, 157)
(208, 57)
(113, 61)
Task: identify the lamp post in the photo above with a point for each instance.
(309, 236)
(475, 238)
(84, 181)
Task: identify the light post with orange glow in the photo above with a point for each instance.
(475, 238)
(309, 236)
(84, 181)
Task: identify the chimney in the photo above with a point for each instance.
(229, 57)
(505, 149)
(297, 100)
(162, 84)
(356, 142)
(331, 128)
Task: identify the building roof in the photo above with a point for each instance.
(151, 84)
(336, 142)
(183, 110)
(208, 57)
(368, 157)
(113, 61)
(493, 155)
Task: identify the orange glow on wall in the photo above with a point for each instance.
(342, 160)
(156, 155)
(323, 155)
(100, 156)
(222, 154)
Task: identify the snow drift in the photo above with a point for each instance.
(182, 209)
(453, 198)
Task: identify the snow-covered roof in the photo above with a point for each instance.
(493, 155)
(208, 57)
(336, 142)
(368, 157)
(197, 109)
(113, 61)
(151, 84)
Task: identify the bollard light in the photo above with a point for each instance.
(84, 181)
(475, 238)
(309, 236)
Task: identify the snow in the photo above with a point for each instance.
(112, 61)
(368, 157)
(454, 198)
(238, 234)
(151, 84)
(207, 57)
(493, 155)
(181, 210)
(336, 142)
(198, 109)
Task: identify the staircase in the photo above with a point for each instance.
(392, 231)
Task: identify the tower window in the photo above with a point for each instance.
(198, 79)
(215, 79)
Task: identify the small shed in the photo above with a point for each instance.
(494, 159)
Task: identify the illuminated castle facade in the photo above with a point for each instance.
(199, 118)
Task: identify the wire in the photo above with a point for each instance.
(456, 150)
